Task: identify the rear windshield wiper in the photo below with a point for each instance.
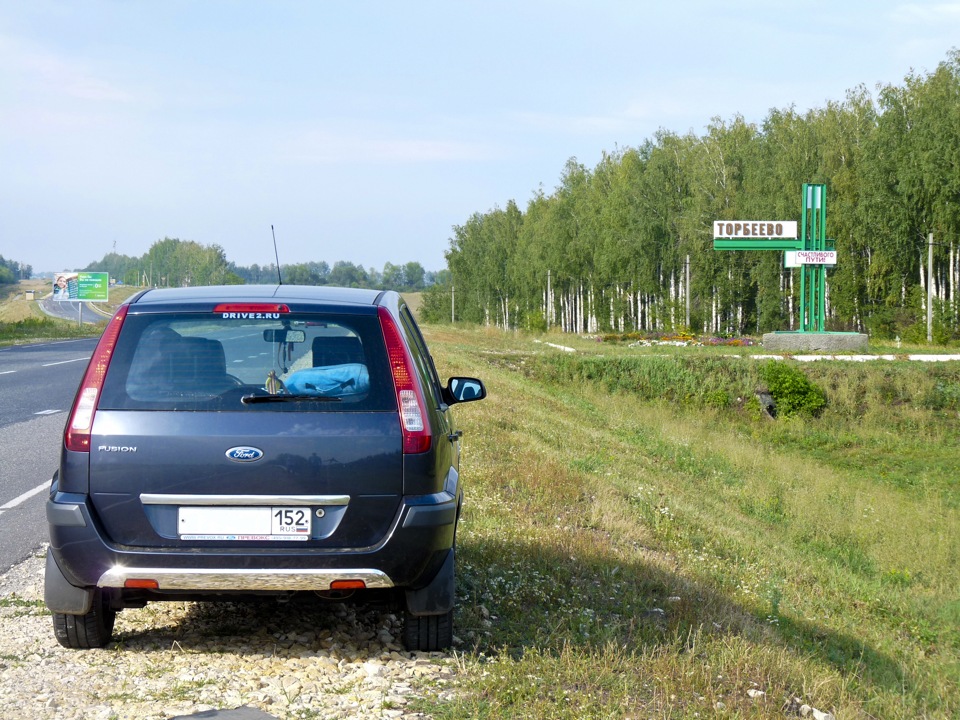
(252, 399)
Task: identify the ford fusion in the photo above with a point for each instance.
(258, 440)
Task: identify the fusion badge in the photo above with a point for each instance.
(244, 453)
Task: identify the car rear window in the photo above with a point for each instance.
(300, 363)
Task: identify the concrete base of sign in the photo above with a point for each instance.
(814, 342)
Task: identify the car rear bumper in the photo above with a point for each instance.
(408, 556)
(233, 580)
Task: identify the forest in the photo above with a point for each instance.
(172, 262)
(627, 245)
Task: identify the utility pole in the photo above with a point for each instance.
(453, 305)
(930, 289)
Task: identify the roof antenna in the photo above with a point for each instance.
(276, 255)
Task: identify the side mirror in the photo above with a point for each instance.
(284, 336)
(464, 389)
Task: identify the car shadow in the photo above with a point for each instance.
(300, 625)
(512, 596)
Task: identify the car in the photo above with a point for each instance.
(241, 441)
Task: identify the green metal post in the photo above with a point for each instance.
(804, 324)
(813, 283)
(822, 269)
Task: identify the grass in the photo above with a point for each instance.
(633, 547)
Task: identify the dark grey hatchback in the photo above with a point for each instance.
(258, 440)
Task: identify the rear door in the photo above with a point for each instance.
(220, 431)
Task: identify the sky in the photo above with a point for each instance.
(365, 130)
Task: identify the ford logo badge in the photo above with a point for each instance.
(244, 453)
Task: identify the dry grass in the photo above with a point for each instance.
(414, 300)
(14, 306)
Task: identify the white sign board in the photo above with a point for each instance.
(776, 229)
(799, 258)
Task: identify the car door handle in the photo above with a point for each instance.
(454, 436)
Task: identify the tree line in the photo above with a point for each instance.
(12, 271)
(408, 277)
(628, 245)
(172, 262)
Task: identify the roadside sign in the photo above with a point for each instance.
(812, 251)
(756, 235)
(799, 258)
(81, 286)
(779, 229)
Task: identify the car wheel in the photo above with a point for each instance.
(91, 630)
(428, 633)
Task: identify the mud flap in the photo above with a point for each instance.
(438, 597)
(62, 597)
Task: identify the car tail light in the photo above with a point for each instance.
(413, 416)
(76, 437)
(252, 308)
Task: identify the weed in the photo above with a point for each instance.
(14, 601)
(898, 577)
(37, 328)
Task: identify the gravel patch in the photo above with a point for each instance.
(302, 659)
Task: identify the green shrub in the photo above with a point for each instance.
(718, 399)
(536, 321)
(792, 391)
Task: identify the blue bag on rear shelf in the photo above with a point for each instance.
(341, 381)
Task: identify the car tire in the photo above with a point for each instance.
(90, 630)
(428, 633)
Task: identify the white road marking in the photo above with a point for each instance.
(7, 372)
(64, 362)
(23, 498)
(48, 412)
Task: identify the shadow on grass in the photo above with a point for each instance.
(518, 596)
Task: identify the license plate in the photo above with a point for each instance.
(244, 523)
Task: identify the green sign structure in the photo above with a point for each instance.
(782, 235)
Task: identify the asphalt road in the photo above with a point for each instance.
(37, 385)
(71, 310)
